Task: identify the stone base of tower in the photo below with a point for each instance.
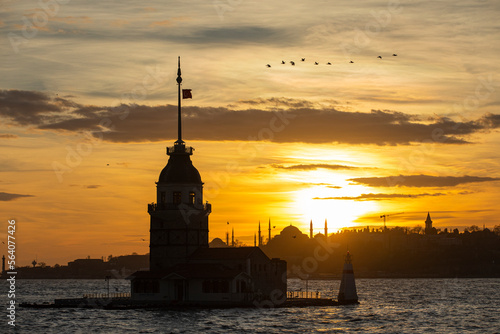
(214, 277)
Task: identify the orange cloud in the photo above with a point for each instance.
(73, 19)
(119, 23)
(4, 197)
(7, 136)
(419, 180)
(168, 23)
(165, 23)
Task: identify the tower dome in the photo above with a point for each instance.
(180, 169)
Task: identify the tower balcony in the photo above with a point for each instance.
(180, 149)
(154, 207)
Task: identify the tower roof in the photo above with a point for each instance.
(179, 169)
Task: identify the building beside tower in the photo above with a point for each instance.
(183, 269)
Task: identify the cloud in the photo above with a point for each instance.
(119, 23)
(420, 180)
(93, 186)
(327, 185)
(313, 167)
(236, 34)
(164, 23)
(379, 197)
(10, 197)
(73, 19)
(275, 102)
(26, 107)
(140, 123)
(7, 136)
(169, 22)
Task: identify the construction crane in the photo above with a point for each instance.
(387, 215)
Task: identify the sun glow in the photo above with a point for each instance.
(321, 201)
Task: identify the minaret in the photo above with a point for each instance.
(347, 291)
(254, 240)
(326, 229)
(227, 239)
(232, 238)
(179, 218)
(269, 231)
(260, 236)
(311, 229)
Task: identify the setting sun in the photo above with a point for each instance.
(313, 203)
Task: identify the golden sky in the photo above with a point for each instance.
(88, 105)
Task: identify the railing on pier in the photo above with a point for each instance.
(107, 295)
(303, 294)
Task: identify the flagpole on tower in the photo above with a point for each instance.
(179, 80)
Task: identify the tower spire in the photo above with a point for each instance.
(179, 80)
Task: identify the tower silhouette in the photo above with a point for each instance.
(179, 218)
(183, 269)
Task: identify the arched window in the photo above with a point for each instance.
(192, 197)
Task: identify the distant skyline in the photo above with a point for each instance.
(88, 101)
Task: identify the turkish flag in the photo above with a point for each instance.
(186, 94)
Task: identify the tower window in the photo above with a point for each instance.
(177, 197)
(162, 197)
(192, 198)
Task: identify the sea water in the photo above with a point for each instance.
(386, 306)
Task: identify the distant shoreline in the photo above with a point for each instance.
(326, 278)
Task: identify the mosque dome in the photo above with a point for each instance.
(291, 231)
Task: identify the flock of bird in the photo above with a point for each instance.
(317, 63)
